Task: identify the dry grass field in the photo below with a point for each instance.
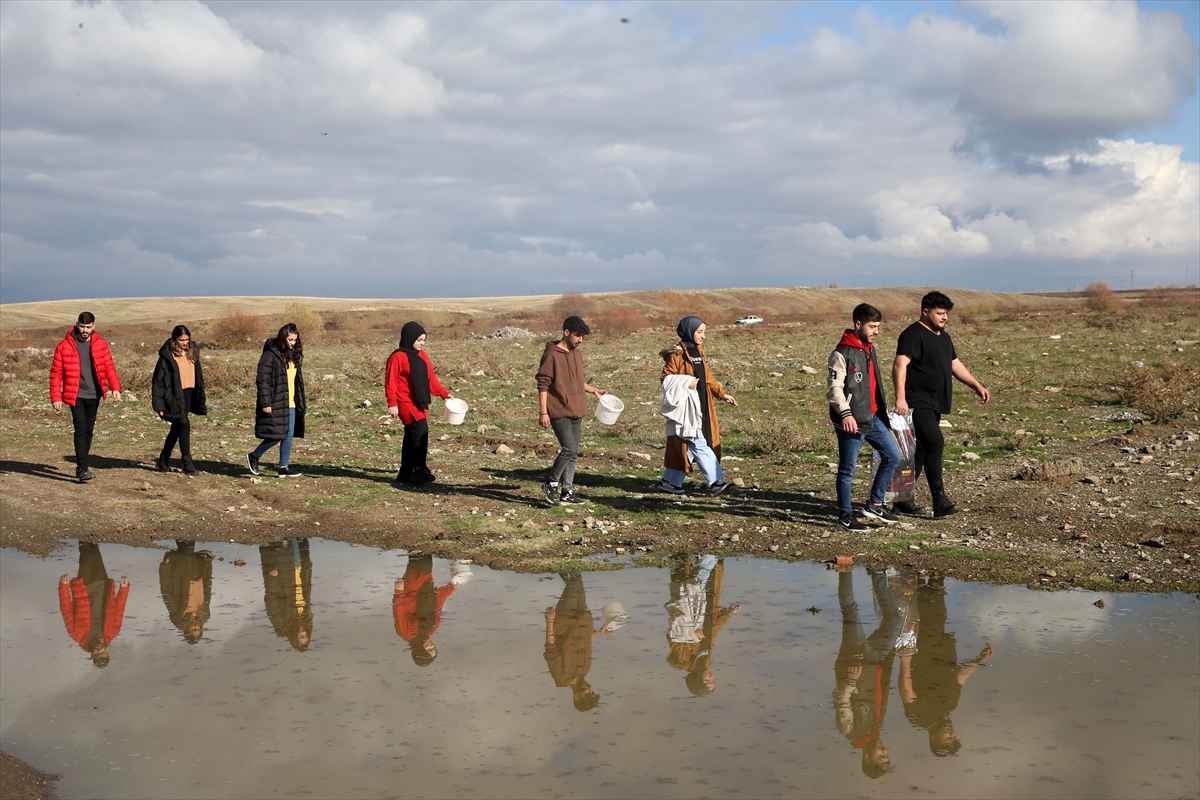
(1114, 387)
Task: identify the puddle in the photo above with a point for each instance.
(310, 672)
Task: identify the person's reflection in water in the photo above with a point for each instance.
(863, 671)
(287, 580)
(569, 637)
(92, 606)
(695, 616)
(185, 580)
(417, 605)
(931, 680)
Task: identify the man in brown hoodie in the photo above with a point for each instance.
(562, 401)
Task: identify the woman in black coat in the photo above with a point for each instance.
(279, 414)
(178, 390)
(185, 580)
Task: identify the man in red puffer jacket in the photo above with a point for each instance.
(83, 372)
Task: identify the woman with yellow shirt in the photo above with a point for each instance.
(177, 390)
(279, 413)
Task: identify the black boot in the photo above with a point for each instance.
(943, 506)
(162, 463)
(188, 467)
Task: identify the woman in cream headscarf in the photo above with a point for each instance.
(687, 358)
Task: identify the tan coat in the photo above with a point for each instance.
(676, 362)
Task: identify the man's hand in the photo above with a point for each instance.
(64, 579)
(124, 581)
(902, 408)
(266, 409)
(394, 411)
(161, 413)
(600, 392)
(399, 584)
(544, 420)
(850, 424)
(729, 399)
(115, 396)
(982, 392)
(694, 383)
(854, 672)
(57, 405)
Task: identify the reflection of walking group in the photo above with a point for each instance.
(926, 364)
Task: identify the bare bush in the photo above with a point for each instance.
(238, 329)
(1098, 297)
(223, 377)
(1163, 393)
(571, 304)
(310, 323)
(775, 436)
(621, 320)
(1168, 297)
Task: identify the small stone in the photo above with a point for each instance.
(239, 562)
(620, 551)
(1051, 573)
(365, 404)
(589, 522)
(1154, 541)
(971, 456)
(774, 548)
(1099, 604)
(354, 544)
(1132, 576)
(808, 370)
(945, 424)
(739, 482)
(145, 487)
(942, 536)
(914, 547)
(528, 524)
(1066, 526)
(776, 374)
(735, 538)
(504, 450)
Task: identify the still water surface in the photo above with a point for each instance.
(318, 669)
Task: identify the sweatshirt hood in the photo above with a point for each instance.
(850, 339)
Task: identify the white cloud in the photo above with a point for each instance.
(480, 148)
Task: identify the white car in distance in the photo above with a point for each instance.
(750, 320)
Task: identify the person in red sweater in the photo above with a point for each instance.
(417, 605)
(83, 372)
(92, 606)
(409, 384)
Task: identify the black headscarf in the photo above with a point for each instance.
(686, 329)
(418, 374)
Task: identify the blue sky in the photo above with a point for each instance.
(426, 149)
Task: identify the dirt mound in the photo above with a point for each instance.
(1052, 470)
(510, 332)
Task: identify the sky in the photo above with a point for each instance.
(368, 149)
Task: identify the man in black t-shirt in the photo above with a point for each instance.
(925, 363)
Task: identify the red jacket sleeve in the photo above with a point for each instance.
(76, 609)
(106, 368)
(404, 613)
(114, 613)
(56, 374)
(435, 386)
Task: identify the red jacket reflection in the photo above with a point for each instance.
(76, 609)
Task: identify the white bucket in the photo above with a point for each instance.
(456, 411)
(608, 409)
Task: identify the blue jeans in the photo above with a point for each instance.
(705, 459)
(849, 444)
(285, 445)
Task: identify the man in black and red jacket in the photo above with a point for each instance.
(858, 408)
(81, 374)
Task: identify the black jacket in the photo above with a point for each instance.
(273, 393)
(166, 392)
(848, 389)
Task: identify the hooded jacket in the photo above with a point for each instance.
(399, 392)
(560, 375)
(676, 362)
(76, 608)
(854, 378)
(166, 392)
(64, 370)
(273, 393)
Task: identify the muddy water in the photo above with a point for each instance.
(306, 672)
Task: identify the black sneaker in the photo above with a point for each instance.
(850, 523)
(403, 477)
(288, 472)
(671, 488)
(423, 476)
(720, 486)
(909, 509)
(943, 506)
(550, 492)
(880, 513)
(569, 498)
(84, 474)
(189, 468)
(252, 463)
(162, 465)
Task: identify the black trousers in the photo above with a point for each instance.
(415, 449)
(180, 432)
(930, 445)
(83, 416)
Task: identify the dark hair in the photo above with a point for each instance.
(420, 653)
(295, 353)
(176, 332)
(937, 745)
(95, 646)
(576, 326)
(85, 318)
(584, 702)
(936, 299)
(865, 312)
(695, 683)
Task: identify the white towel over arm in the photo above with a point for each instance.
(681, 407)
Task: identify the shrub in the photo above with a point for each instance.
(1162, 393)
(221, 377)
(571, 304)
(1098, 297)
(238, 329)
(777, 436)
(621, 320)
(310, 323)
